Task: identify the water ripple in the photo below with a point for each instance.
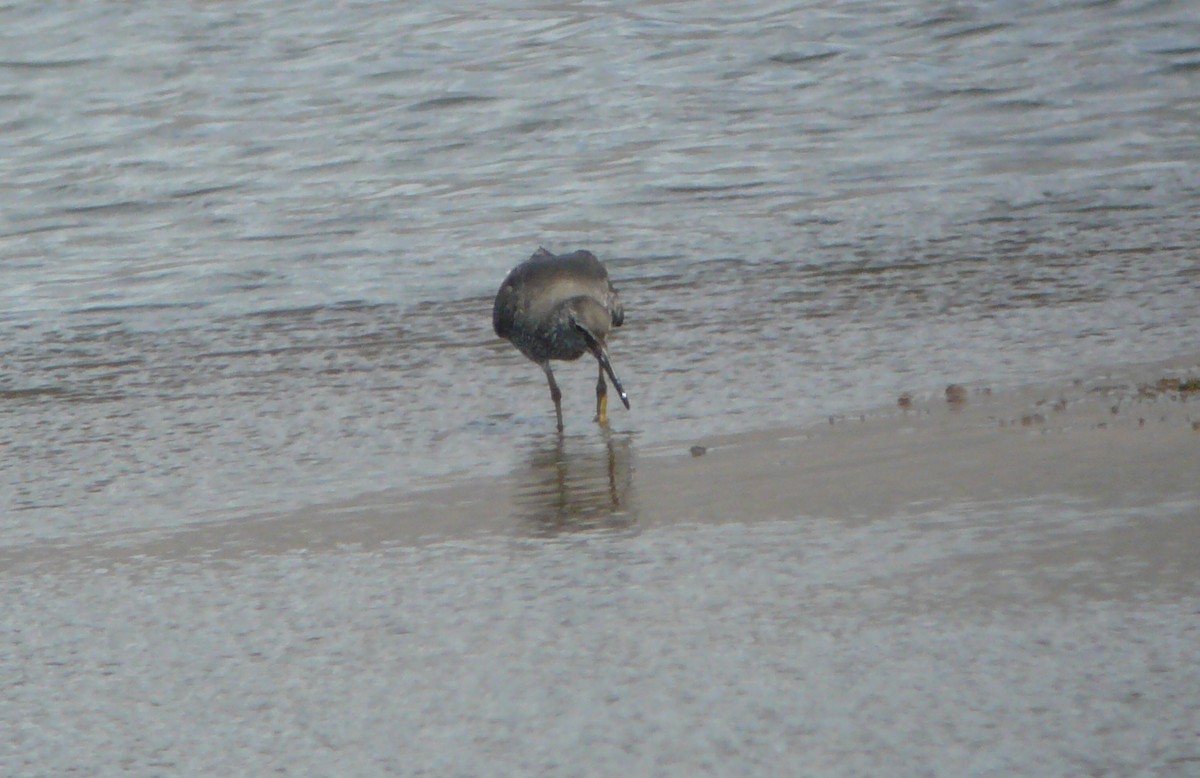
(249, 251)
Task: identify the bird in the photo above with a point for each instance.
(561, 307)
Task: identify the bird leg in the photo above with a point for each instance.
(555, 394)
(601, 399)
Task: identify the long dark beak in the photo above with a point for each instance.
(602, 358)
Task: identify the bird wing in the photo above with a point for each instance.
(504, 310)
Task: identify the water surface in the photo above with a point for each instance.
(248, 251)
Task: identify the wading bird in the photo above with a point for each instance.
(560, 307)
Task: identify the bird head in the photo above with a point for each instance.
(592, 320)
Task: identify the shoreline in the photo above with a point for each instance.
(1099, 440)
(925, 587)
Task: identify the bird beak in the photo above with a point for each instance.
(602, 358)
(601, 355)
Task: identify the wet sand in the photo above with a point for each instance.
(1008, 585)
(1110, 442)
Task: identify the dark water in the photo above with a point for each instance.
(248, 250)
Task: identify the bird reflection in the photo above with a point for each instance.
(576, 484)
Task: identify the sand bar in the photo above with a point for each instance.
(1107, 442)
(1006, 586)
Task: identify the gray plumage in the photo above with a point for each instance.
(561, 307)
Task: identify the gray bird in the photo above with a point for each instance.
(559, 308)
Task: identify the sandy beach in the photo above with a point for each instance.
(1006, 585)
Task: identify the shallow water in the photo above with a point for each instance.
(1031, 639)
(249, 250)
